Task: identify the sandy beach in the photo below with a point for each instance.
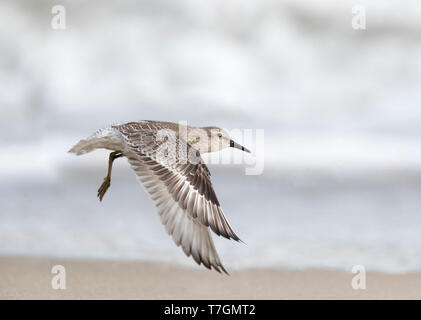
(30, 278)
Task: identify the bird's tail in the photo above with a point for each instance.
(107, 138)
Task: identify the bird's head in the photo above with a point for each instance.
(211, 139)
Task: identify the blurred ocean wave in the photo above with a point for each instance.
(340, 110)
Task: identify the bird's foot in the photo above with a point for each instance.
(104, 187)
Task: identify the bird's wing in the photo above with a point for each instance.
(194, 237)
(181, 190)
(183, 173)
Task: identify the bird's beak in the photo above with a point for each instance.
(235, 145)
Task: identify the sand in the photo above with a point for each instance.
(30, 278)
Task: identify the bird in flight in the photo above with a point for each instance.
(166, 158)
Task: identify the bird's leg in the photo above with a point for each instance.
(107, 180)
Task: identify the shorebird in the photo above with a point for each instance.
(166, 159)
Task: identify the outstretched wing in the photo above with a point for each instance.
(181, 190)
(193, 236)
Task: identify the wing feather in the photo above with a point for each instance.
(187, 232)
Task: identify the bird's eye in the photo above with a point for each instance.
(220, 135)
